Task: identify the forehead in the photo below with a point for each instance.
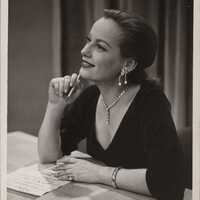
(106, 29)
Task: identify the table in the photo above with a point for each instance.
(22, 151)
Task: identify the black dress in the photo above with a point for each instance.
(146, 138)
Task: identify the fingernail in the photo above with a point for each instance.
(58, 163)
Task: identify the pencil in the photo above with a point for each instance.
(73, 88)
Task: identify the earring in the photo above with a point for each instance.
(124, 71)
(119, 81)
(123, 74)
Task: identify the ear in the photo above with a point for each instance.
(130, 64)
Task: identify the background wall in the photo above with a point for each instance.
(32, 49)
(29, 62)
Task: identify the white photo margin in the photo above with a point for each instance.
(3, 98)
(3, 95)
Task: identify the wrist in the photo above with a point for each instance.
(58, 108)
(105, 175)
(114, 177)
(54, 112)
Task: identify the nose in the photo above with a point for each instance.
(86, 51)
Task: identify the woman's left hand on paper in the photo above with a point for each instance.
(79, 170)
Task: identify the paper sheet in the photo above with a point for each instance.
(33, 180)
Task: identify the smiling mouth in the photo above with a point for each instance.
(86, 64)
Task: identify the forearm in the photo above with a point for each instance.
(49, 134)
(128, 179)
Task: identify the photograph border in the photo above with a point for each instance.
(196, 102)
(4, 94)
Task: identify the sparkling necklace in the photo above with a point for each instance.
(108, 107)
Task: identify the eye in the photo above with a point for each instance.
(99, 46)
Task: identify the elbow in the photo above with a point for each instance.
(47, 159)
(165, 187)
(168, 192)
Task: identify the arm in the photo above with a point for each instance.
(49, 135)
(91, 172)
(165, 174)
(128, 179)
(49, 145)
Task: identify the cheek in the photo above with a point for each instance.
(110, 63)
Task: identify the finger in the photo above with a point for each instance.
(59, 167)
(60, 161)
(55, 85)
(62, 172)
(67, 160)
(61, 87)
(66, 84)
(73, 80)
(63, 167)
(68, 177)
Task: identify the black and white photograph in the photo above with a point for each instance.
(99, 100)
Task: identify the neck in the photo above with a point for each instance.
(113, 95)
(109, 92)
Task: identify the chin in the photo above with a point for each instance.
(86, 73)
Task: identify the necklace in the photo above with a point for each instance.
(114, 102)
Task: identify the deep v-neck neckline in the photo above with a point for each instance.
(121, 124)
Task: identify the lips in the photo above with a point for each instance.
(86, 64)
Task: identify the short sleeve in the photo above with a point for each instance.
(75, 122)
(165, 174)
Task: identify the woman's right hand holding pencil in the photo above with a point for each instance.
(63, 90)
(60, 94)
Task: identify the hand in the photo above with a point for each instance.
(60, 87)
(79, 170)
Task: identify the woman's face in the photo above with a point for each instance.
(101, 58)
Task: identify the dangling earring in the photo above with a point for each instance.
(125, 74)
(119, 81)
(124, 71)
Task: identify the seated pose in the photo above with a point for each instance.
(123, 114)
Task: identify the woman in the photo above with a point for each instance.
(124, 116)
